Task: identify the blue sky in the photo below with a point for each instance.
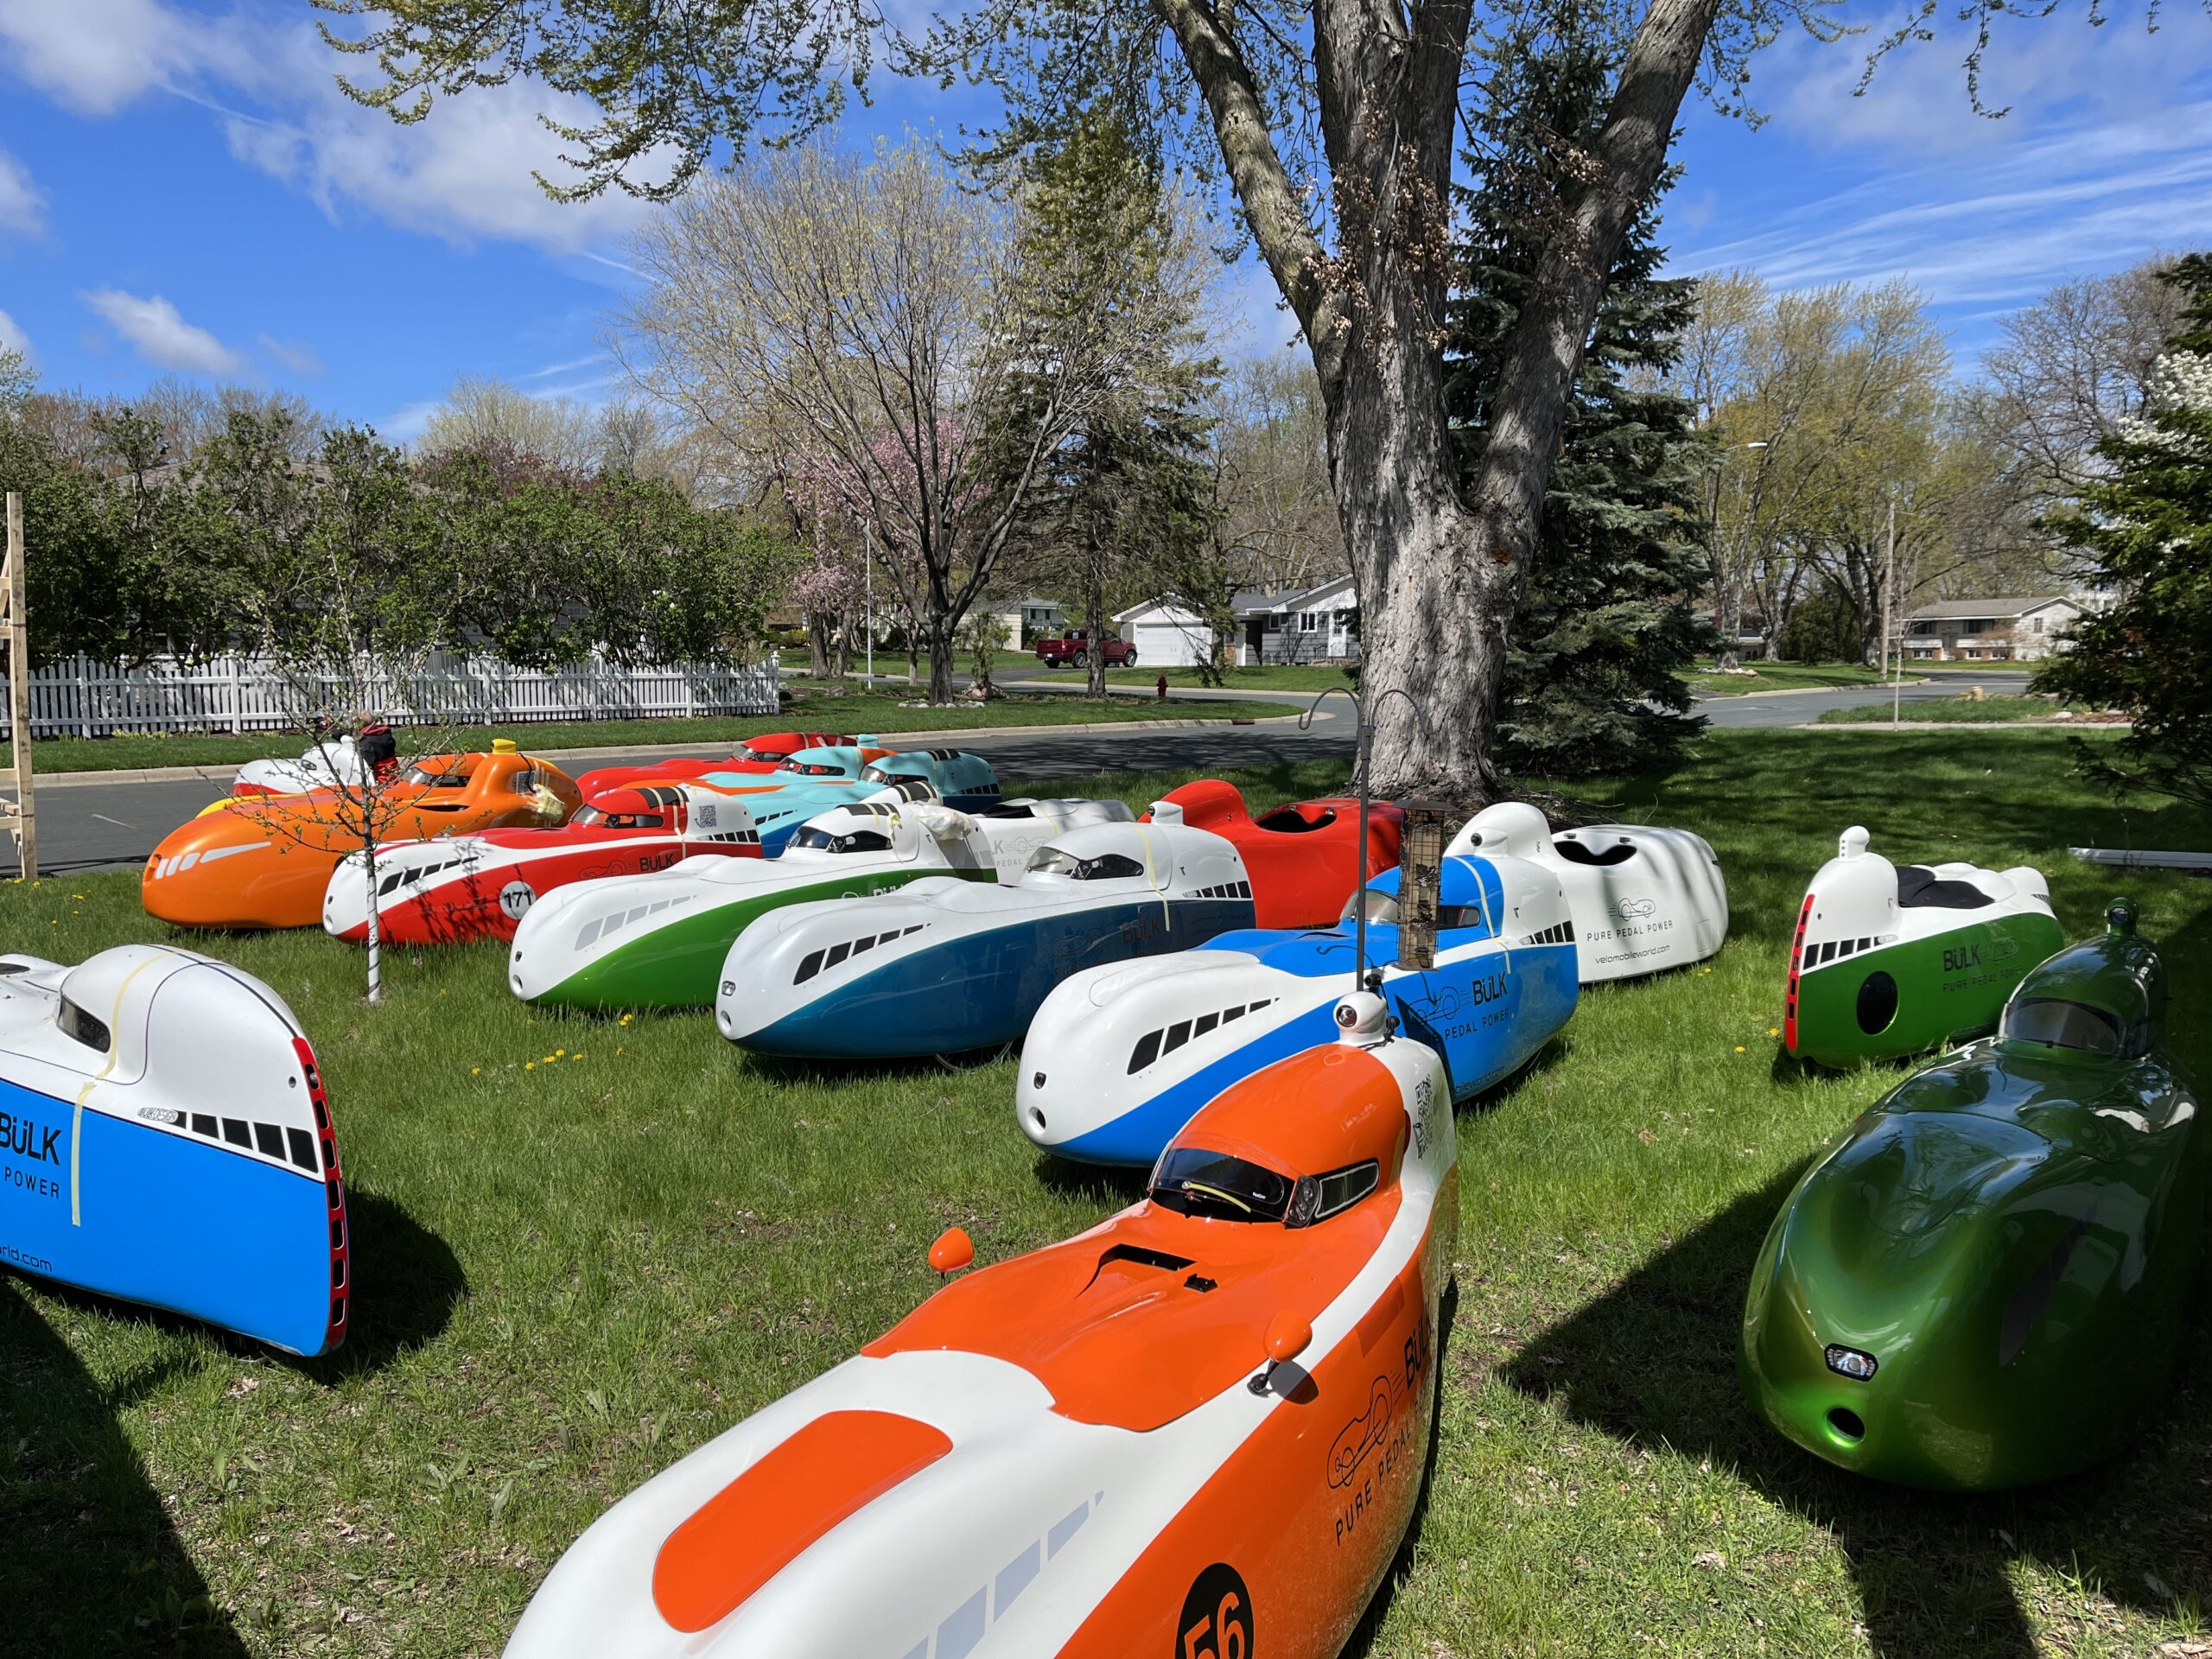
(182, 189)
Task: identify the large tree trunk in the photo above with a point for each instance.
(1439, 572)
(941, 627)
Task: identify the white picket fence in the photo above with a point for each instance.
(79, 697)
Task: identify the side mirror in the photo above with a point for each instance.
(953, 1250)
(1287, 1337)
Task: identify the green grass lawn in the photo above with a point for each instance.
(809, 705)
(1780, 677)
(1961, 710)
(584, 1246)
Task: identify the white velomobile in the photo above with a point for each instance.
(659, 940)
(164, 1139)
(342, 758)
(1889, 959)
(1644, 898)
(1118, 1058)
(944, 967)
(1199, 1429)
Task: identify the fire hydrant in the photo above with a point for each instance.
(1159, 688)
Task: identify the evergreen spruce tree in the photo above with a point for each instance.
(1125, 498)
(1608, 622)
(2149, 528)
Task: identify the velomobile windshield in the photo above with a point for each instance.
(1052, 861)
(852, 840)
(1382, 907)
(1197, 1182)
(593, 816)
(436, 778)
(2058, 1023)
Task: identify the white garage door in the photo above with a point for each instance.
(1163, 645)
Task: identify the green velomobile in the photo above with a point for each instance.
(1891, 960)
(659, 940)
(1981, 1287)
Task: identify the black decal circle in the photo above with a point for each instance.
(1216, 1621)
(1878, 1002)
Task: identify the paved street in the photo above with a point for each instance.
(84, 825)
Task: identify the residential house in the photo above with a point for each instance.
(1025, 619)
(1307, 625)
(2019, 628)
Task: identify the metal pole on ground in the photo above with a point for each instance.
(867, 579)
(20, 814)
(1889, 593)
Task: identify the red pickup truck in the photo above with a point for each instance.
(1072, 650)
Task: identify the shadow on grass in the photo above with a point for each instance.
(406, 1285)
(92, 1564)
(1653, 1363)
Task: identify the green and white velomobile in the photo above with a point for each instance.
(659, 940)
(1891, 960)
(1983, 1284)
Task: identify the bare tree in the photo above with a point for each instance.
(869, 321)
(483, 413)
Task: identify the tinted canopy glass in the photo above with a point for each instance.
(2061, 1024)
(1201, 1183)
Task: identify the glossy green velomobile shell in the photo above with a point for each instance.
(2007, 1240)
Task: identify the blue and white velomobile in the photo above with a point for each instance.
(164, 1139)
(1118, 1058)
(814, 780)
(943, 966)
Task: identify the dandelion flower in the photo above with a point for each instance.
(530, 1066)
(1774, 1031)
(558, 1052)
(1739, 1048)
(578, 1055)
(475, 1071)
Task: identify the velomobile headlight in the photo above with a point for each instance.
(1849, 1362)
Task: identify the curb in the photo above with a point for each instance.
(222, 775)
(1805, 691)
(1964, 725)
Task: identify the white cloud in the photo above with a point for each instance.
(23, 204)
(1998, 227)
(154, 329)
(463, 173)
(12, 338)
(287, 354)
(97, 55)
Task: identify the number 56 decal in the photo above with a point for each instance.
(1216, 1622)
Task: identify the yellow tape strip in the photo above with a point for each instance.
(77, 1118)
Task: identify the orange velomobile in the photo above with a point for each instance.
(1197, 1429)
(263, 860)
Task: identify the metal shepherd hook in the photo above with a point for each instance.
(1363, 739)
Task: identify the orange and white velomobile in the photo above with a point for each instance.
(263, 860)
(1197, 1429)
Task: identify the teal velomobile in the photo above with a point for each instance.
(1982, 1285)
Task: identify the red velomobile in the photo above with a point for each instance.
(1304, 858)
(762, 753)
(479, 886)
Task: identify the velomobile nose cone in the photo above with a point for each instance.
(1897, 1259)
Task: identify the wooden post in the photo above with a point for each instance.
(19, 813)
